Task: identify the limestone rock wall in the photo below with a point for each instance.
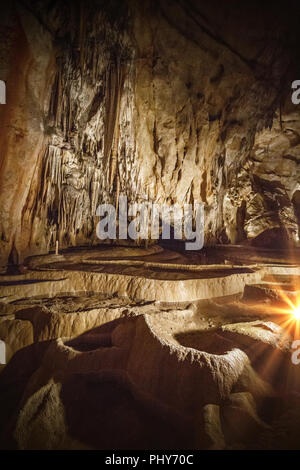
(172, 102)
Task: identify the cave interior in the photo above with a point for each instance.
(120, 342)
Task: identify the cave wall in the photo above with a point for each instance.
(167, 101)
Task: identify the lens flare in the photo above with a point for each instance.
(284, 308)
(296, 312)
(288, 309)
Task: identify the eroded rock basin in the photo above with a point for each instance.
(93, 365)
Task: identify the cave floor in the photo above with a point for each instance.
(168, 338)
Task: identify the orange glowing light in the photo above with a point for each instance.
(286, 310)
(296, 312)
(288, 314)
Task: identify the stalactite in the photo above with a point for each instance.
(81, 160)
(126, 117)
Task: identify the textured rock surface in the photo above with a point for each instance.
(163, 101)
(272, 202)
(15, 333)
(159, 277)
(210, 374)
(169, 102)
(208, 391)
(66, 295)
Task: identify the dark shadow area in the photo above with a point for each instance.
(210, 341)
(272, 238)
(26, 281)
(109, 412)
(90, 342)
(296, 205)
(96, 338)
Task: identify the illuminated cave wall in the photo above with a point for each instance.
(168, 101)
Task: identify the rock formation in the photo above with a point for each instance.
(161, 101)
(123, 346)
(203, 374)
